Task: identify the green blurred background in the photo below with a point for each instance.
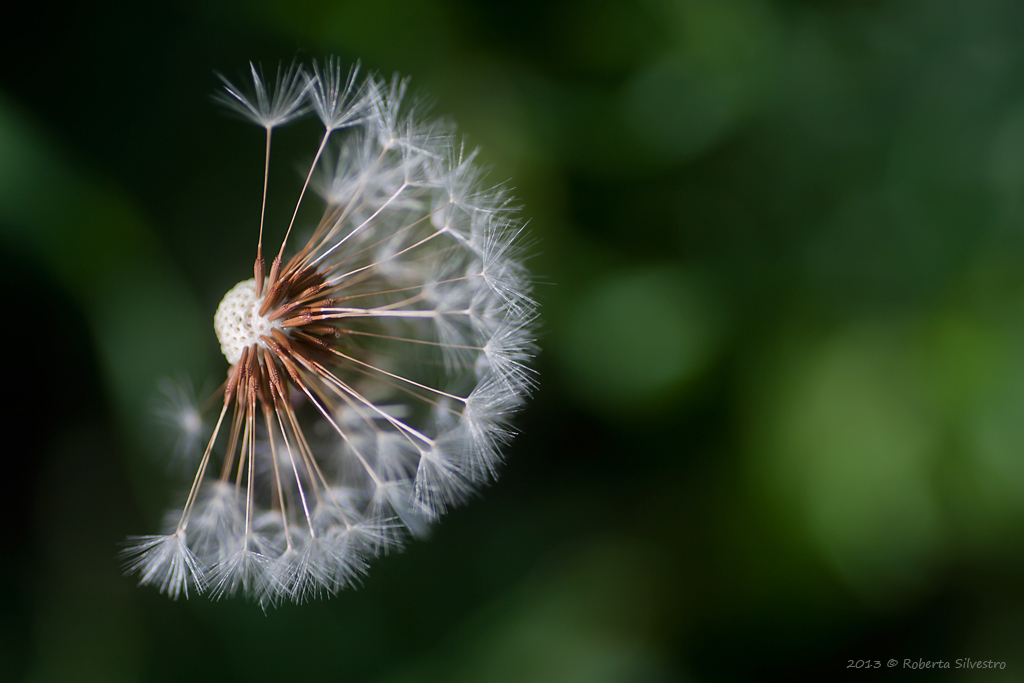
(780, 422)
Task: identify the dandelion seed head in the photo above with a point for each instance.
(374, 367)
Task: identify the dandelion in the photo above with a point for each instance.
(373, 370)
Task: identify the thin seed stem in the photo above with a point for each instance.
(359, 456)
(295, 471)
(277, 477)
(411, 341)
(359, 227)
(398, 377)
(337, 278)
(323, 143)
(244, 454)
(344, 214)
(183, 522)
(249, 489)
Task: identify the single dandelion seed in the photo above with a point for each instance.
(179, 412)
(373, 372)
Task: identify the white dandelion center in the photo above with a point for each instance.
(374, 367)
(238, 322)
